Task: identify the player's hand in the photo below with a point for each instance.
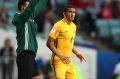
(81, 57)
(64, 59)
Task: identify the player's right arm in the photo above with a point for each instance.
(24, 16)
(51, 44)
(39, 7)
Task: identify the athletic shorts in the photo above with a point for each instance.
(63, 71)
(27, 67)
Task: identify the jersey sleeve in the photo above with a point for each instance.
(55, 31)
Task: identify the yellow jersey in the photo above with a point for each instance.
(64, 34)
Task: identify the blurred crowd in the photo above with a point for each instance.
(7, 63)
(91, 17)
(7, 56)
(97, 21)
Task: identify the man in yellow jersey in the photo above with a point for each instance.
(61, 43)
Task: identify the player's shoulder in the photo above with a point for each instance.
(17, 14)
(15, 18)
(58, 23)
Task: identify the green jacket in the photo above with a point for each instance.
(26, 27)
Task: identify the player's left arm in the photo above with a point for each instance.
(75, 51)
(26, 14)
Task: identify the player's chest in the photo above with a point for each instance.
(67, 32)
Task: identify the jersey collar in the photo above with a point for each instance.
(64, 20)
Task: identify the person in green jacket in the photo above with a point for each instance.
(26, 30)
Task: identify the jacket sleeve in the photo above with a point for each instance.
(39, 7)
(24, 16)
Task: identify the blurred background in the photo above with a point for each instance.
(98, 37)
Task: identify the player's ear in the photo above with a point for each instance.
(22, 7)
(63, 13)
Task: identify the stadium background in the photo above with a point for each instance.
(98, 35)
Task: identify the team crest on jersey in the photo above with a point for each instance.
(53, 31)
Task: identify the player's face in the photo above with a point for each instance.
(70, 14)
(26, 4)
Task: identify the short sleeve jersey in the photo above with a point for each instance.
(64, 34)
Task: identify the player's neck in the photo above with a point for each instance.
(67, 21)
(22, 10)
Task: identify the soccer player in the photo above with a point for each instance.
(26, 30)
(61, 43)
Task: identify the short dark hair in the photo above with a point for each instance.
(20, 3)
(67, 7)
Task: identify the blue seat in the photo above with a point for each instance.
(103, 28)
(114, 23)
(101, 23)
(10, 4)
(116, 40)
(115, 31)
(61, 2)
(115, 27)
